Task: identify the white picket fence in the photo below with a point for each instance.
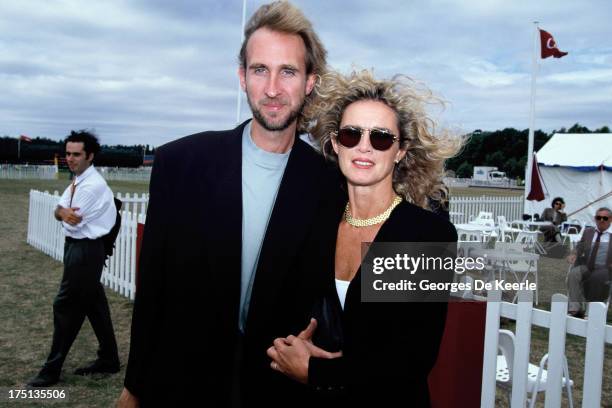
(44, 231)
(46, 234)
(125, 173)
(559, 324)
(493, 183)
(134, 203)
(456, 182)
(462, 207)
(119, 273)
(25, 171)
(470, 182)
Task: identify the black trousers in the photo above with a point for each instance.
(81, 295)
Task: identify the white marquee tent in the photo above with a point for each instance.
(577, 167)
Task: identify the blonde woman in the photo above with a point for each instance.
(385, 145)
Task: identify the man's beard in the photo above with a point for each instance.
(271, 127)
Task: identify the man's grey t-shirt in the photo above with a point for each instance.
(262, 172)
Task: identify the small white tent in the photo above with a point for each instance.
(577, 167)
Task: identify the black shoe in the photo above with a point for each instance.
(98, 367)
(43, 380)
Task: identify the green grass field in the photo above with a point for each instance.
(29, 281)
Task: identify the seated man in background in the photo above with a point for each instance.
(557, 216)
(589, 278)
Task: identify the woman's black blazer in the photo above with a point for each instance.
(389, 348)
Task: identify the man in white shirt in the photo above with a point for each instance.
(590, 277)
(87, 212)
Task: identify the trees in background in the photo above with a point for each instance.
(43, 151)
(506, 149)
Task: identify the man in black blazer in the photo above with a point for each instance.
(193, 305)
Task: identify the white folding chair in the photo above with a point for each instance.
(507, 233)
(573, 231)
(537, 376)
(469, 236)
(518, 266)
(482, 217)
(485, 219)
(528, 239)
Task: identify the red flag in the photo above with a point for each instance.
(25, 138)
(549, 46)
(536, 191)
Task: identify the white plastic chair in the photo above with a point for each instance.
(537, 376)
(470, 236)
(483, 218)
(519, 266)
(507, 233)
(569, 231)
(527, 239)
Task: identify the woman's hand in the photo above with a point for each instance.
(291, 356)
(315, 351)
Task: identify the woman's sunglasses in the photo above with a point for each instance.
(380, 139)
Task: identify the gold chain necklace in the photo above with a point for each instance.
(368, 222)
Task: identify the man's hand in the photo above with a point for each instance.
(68, 215)
(127, 400)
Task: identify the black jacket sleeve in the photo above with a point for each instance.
(150, 281)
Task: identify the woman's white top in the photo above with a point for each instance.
(342, 288)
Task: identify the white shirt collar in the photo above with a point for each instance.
(608, 231)
(84, 175)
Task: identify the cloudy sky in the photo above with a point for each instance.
(149, 71)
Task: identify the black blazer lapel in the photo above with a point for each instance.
(223, 188)
(294, 208)
(221, 196)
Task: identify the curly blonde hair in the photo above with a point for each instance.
(418, 177)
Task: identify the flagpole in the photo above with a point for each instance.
(534, 70)
(239, 97)
(19, 148)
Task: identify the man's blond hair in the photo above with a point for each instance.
(284, 17)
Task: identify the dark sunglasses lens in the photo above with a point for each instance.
(349, 137)
(381, 140)
(601, 217)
